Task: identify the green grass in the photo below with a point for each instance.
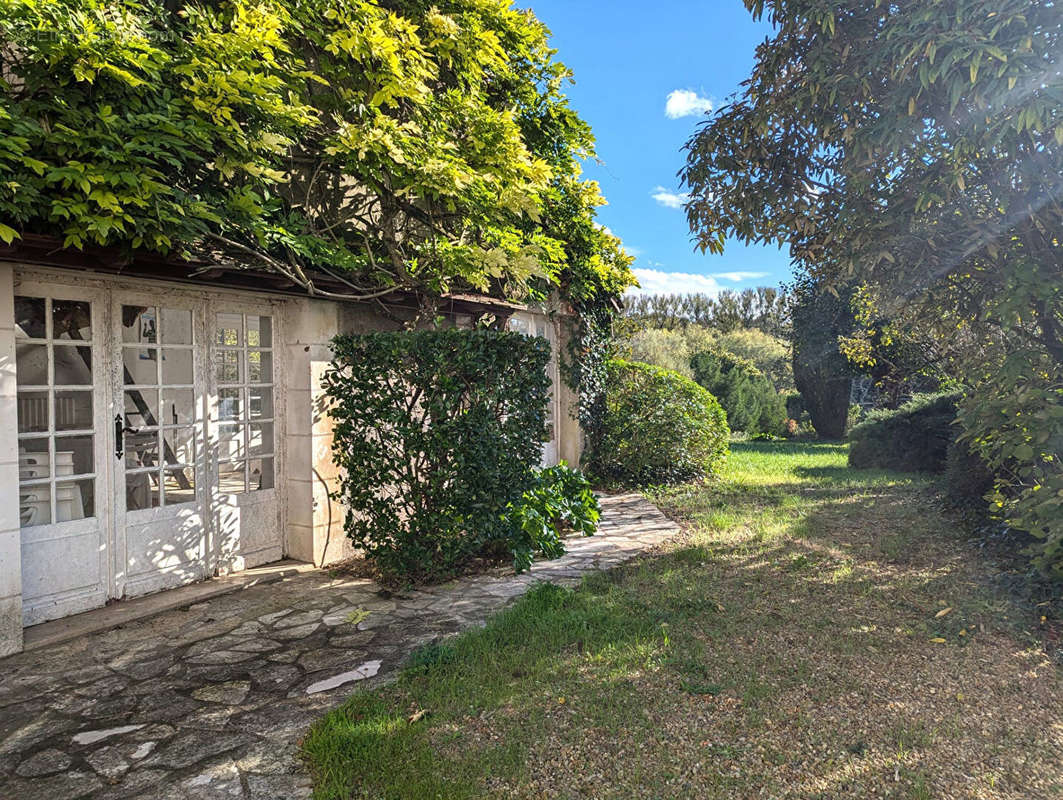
(785, 646)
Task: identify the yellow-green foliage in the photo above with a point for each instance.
(410, 145)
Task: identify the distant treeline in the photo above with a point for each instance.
(766, 308)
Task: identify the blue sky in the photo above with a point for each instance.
(645, 73)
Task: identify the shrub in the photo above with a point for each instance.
(748, 397)
(968, 480)
(914, 437)
(559, 500)
(437, 433)
(659, 427)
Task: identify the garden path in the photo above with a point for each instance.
(210, 700)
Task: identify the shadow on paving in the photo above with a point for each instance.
(210, 700)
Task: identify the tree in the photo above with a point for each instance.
(764, 308)
(769, 354)
(917, 147)
(821, 372)
(414, 146)
(900, 360)
(748, 396)
(670, 349)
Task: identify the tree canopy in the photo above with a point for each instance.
(421, 146)
(915, 148)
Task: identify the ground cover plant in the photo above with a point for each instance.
(817, 631)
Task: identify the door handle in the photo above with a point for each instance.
(120, 428)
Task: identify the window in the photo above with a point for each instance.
(243, 370)
(56, 436)
(162, 419)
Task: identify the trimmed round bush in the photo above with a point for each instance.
(658, 427)
(912, 438)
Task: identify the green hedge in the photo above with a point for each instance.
(913, 438)
(658, 427)
(438, 434)
(746, 394)
(967, 481)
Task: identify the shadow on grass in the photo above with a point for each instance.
(716, 616)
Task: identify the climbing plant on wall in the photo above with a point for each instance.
(417, 145)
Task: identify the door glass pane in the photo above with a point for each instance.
(231, 477)
(260, 474)
(71, 319)
(73, 411)
(73, 366)
(139, 325)
(73, 455)
(32, 412)
(29, 317)
(229, 404)
(178, 406)
(260, 402)
(259, 331)
(141, 449)
(34, 462)
(31, 364)
(176, 366)
(176, 326)
(259, 366)
(51, 451)
(260, 439)
(179, 486)
(74, 500)
(141, 407)
(179, 445)
(228, 329)
(227, 366)
(141, 490)
(140, 366)
(230, 442)
(35, 505)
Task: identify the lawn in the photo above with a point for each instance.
(816, 632)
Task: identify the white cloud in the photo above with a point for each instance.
(669, 199)
(655, 281)
(740, 276)
(686, 103)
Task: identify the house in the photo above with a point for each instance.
(162, 424)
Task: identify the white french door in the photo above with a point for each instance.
(63, 467)
(160, 458)
(147, 432)
(242, 422)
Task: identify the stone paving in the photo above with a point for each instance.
(210, 701)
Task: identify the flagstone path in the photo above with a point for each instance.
(210, 700)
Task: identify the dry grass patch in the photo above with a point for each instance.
(818, 632)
